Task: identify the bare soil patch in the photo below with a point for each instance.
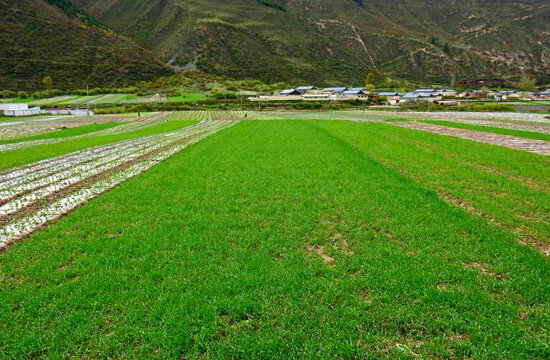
(540, 147)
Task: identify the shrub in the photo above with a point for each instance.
(491, 107)
(7, 94)
(22, 95)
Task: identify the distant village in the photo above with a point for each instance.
(441, 96)
(445, 97)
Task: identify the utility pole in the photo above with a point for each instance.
(87, 90)
(259, 99)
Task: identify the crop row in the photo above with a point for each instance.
(131, 156)
(132, 126)
(142, 123)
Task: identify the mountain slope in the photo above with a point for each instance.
(341, 40)
(41, 39)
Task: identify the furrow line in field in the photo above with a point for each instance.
(540, 147)
(59, 190)
(24, 182)
(11, 199)
(64, 178)
(133, 126)
(53, 165)
(68, 199)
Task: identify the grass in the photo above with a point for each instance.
(494, 130)
(78, 100)
(109, 99)
(61, 133)
(186, 97)
(274, 239)
(27, 155)
(509, 185)
(22, 100)
(22, 118)
(134, 99)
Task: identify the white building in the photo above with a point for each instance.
(14, 109)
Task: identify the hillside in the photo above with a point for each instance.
(42, 39)
(325, 41)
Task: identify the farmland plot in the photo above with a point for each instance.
(107, 99)
(132, 126)
(79, 100)
(506, 186)
(277, 239)
(51, 100)
(70, 180)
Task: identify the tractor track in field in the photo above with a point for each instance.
(540, 147)
(30, 210)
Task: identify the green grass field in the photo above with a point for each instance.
(508, 185)
(186, 97)
(492, 129)
(27, 155)
(61, 133)
(289, 239)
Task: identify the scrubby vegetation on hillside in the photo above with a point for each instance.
(39, 40)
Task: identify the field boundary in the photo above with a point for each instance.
(539, 147)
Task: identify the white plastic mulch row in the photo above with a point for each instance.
(22, 179)
(45, 186)
(133, 126)
(145, 122)
(36, 127)
(23, 132)
(53, 165)
(21, 227)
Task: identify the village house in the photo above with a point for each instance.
(316, 97)
(424, 91)
(290, 92)
(334, 90)
(447, 92)
(306, 89)
(421, 96)
(544, 95)
(355, 94)
(508, 94)
(392, 97)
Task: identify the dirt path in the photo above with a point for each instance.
(513, 142)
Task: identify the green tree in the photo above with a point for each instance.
(446, 48)
(267, 79)
(7, 94)
(47, 82)
(370, 88)
(369, 80)
(527, 84)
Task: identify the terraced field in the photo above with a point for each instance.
(274, 239)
